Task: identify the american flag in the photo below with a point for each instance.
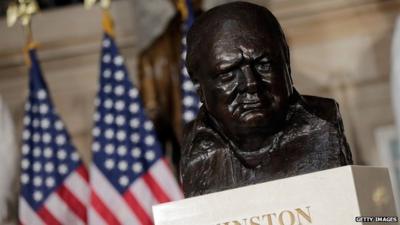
(129, 173)
(190, 100)
(54, 182)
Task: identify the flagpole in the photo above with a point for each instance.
(182, 8)
(107, 19)
(108, 23)
(23, 10)
(30, 44)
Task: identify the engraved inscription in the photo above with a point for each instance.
(298, 216)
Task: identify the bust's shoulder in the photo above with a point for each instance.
(199, 137)
(325, 108)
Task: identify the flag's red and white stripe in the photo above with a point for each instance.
(134, 206)
(163, 176)
(67, 205)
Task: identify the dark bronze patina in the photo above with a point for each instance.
(253, 126)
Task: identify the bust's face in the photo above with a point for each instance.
(242, 78)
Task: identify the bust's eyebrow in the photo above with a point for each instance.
(262, 57)
(227, 61)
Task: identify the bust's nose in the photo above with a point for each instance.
(248, 79)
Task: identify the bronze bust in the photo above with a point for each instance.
(253, 126)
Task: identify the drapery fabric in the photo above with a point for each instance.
(8, 161)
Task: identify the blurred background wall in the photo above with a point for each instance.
(339, 48)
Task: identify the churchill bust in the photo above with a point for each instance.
(253, 125)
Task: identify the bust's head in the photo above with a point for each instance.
(239, 60)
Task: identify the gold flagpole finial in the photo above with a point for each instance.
(105, 4)
(21, 10)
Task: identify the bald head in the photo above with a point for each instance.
(233, 21)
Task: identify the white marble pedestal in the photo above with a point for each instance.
(330, 197)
